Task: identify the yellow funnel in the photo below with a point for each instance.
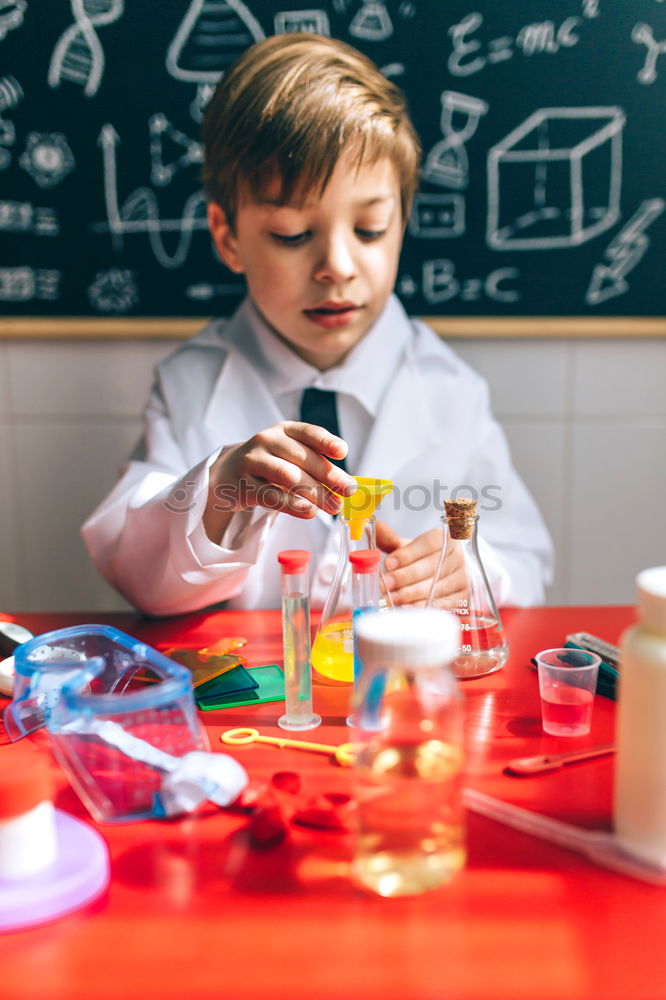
(362, 504)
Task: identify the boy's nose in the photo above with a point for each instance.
(336, 262)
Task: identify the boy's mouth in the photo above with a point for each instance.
(332, 314)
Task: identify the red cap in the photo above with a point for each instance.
(294, 560)
(25, 781)
(365, 560)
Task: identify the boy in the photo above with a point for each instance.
(310, 166)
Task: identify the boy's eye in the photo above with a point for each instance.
(370, 234)
(288, 240)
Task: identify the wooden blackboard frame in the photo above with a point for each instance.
(540, 126)
(449, 327)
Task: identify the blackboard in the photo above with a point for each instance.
(542, 121)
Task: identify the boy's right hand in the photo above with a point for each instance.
(283, 468)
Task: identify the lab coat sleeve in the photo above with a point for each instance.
(147, 537)
(514, 544)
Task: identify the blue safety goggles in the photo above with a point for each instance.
(114, 736)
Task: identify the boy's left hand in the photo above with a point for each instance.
(411, 565)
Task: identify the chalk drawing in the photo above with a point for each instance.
(204, 291)
(469, 55)
(624, 253)
(23, 284)
(372, 23)
(114, 291)
(439, 281)
(545, 186)
(391, 70)
(210, 37)
(78, 55)
(315, 21)
(11, 93)
(47, 158)
(643, 34)
(545, 37)
(440, 284)
(447, 162)
(406, 286)
(22, 217)
(11, 16)
(140, 211)
(437, 215)
(161, 132)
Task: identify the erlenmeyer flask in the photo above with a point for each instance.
(333, 648)
(483, 647)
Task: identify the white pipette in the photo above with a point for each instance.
(599, 846)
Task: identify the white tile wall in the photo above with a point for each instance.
(539, 450)
(11, 591)
(5, 402)
(74, 378)
(630, 380)
(616, 522)
(63, 470)
(526, 377)
(586, 421)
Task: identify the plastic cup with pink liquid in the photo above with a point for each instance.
(567, 682)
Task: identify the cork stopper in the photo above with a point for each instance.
(460, 513)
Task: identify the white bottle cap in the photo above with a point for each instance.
(424, 637)
(651, 597)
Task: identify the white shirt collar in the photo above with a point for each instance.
(364, 373)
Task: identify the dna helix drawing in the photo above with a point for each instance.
(78, 55)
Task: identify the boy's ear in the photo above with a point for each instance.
(223, 237)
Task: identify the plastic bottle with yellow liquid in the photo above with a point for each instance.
(333, 648)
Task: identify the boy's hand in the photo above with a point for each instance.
(411, 565)
(283, 468)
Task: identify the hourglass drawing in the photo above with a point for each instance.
(447, 161)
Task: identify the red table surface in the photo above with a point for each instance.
(193, 911)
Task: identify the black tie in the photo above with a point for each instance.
(318, 407)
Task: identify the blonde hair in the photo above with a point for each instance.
(289, 108)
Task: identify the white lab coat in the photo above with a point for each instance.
(433, 434)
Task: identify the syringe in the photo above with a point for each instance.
(296, 641)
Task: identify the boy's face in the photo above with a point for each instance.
(319, 272)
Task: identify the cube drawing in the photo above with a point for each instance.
(555, 180)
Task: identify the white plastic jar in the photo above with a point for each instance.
(640, 770)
